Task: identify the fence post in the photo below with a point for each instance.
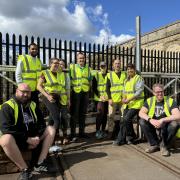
(138, 44)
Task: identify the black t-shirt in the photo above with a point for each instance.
(159, 109)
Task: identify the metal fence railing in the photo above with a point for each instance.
(157, 66)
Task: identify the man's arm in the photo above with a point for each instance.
(18, 74)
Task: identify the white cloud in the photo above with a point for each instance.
(52, 18)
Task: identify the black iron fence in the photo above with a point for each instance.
(153, 62)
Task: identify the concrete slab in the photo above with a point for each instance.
(99, 160)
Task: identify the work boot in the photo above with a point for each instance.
(152, 149)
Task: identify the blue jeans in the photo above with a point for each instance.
(166, 132)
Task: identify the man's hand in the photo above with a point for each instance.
(125, 101)
(50, 98)
(156, 123)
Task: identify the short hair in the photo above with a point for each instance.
(32, 44)
(116, 60)
(132, 66)
(80, 53)
(52, 59)
(158, 85)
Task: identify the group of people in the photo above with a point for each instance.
(119, 97)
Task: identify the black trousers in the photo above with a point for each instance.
(101, 119)
(78, 111)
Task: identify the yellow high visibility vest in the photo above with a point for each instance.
(12, 103)
(129, 91)
(116, 85)
(152, 102)
(80, 78)
(178, 133)
(101, 86)
(64, 91)
(31, 70)
(53, 83)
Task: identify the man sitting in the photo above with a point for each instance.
(159, 114)
(22, 127)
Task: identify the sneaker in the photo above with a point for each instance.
(165, 151)
(25, 175)
(55, 149)
(152, 149)
(44, 167)
(115, 143)
(104, 134)
(98, 133)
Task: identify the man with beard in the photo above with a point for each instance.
(28, 70)
(22, 127)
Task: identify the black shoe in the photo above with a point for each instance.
(44, 167)
(25, 175)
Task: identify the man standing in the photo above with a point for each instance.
(101, 99)
(159, 114)
(28, 70)
(115, 82)
(80, 75)
(22, 127)
(133, 99)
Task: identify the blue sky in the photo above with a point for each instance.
(94, 21)
(122, 14)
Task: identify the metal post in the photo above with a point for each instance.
(138, 44)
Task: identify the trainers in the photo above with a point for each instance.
(44, 167)
(55, 149)
(25, 175)
(165, 151)
(97, 134)
(104, 134)
(152, 149)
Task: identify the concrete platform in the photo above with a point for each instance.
(98, 160)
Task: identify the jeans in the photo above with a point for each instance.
(166, 132)
(126, 131)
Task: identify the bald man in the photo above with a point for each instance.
(22, 127)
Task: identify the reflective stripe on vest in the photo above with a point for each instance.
(31, 70)
(101, 86)
(12, 103)
(152, 103)
(63, 93)
(129, 91)
(79, 78)
(116, 85)
(52, 84)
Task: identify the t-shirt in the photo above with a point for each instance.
(159, 109)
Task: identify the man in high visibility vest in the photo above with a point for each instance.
(101, 99)
(114, 89)
(28, 70)
(80, 75)
(22, 127)
(159, 113)
(133, 99)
